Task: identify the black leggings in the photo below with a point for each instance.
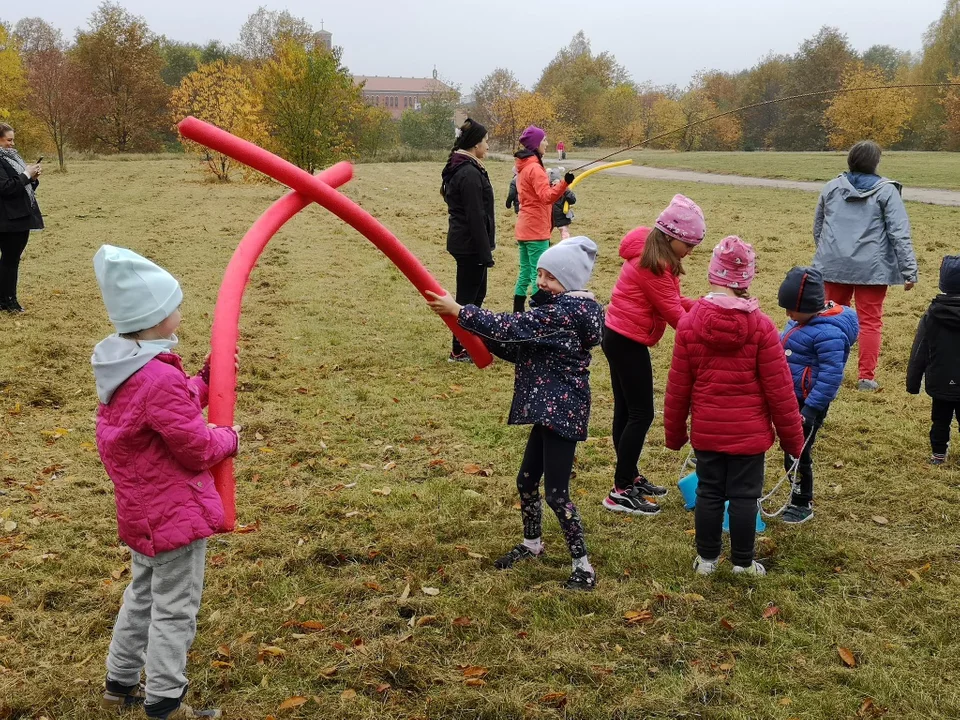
(12, 245)
(551, 457)
(942, 413)
(471, 289)
(722, 477)
(631, 376)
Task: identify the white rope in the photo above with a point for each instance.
(790, 474)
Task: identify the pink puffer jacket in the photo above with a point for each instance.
(158, 451)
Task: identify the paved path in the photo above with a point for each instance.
(930, 196)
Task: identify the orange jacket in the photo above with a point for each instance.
(537, 197)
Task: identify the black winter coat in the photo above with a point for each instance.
(17, 214)
(471, 232)
(550, 346)
(936, 351)
(560, 218)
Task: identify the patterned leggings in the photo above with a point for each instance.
(551, 457)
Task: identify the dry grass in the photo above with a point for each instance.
(916, 169)
(344, 373)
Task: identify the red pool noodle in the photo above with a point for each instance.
(341, 206)
(226, 321)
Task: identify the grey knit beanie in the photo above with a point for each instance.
(570, 261)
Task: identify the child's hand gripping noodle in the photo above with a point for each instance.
(157, 449)
(550, 347)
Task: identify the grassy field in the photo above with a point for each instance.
(358, 479)
(917, 169)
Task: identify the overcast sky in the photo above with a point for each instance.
(665, 41)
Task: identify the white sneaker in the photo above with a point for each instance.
(867, 385)
(753, 568)
(705, 567)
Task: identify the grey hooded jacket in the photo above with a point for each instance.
(863, 236)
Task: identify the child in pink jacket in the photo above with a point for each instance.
(158, 450)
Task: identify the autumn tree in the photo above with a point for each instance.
(617, 116)
(222, 95)
(12, 75)
(375, 131)
(529, 108)
(36, 35)
(819, 65)
(940, 60)
(56, 96)
(264, 30)
(179, 60)
(431, 127)
(120, 64)
(666, 116)
(889, 60)
(764, 81)
(879, 115)
(309, 103)
(496, 86)
(574, 79)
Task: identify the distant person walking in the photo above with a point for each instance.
(537, 196)
(862, 234)
(19, 214)
(471, 230)
(561, 155)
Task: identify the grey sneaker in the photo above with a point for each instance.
(705, 567)
(868, 385)
(938, 459)
(753, 568)
(796, 514)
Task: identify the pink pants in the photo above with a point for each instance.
(869, 305)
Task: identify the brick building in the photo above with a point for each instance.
(397, 94)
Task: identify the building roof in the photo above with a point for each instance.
(375, 83)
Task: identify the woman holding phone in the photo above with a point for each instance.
(19, 214)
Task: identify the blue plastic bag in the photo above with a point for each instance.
(688, 488)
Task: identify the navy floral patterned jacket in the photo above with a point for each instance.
(550, 346)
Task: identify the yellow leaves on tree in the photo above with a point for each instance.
(879, 115)
(219, 93)
(516, 112)
(12, 74)
(950, 101)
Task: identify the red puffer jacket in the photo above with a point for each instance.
(643, 303)
(730, 375)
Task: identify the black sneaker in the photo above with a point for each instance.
(461, 357)
(520, 552)
(938, 459)
(796, 514)
(645, 487)
(581, 580)
(630, 501)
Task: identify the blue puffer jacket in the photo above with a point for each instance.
(550, 346)
(817, 352)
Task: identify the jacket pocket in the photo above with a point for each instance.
(805, 381)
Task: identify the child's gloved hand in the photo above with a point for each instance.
(569, 178)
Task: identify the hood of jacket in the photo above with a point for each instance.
(631, 247)
(116, 359)
(524, 158)
(582, 304)
(843, 317)
(851, 193)
(725, 320)
(457, 162)
(945, 309)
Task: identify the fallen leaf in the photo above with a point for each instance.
(366, 466)
(381, 491)
(245, 638)
(221, 665)
(328, 673)
(265, 450)
(848, 659)
(302, 600)
(223, 651)
(879, 519)
(727, 625)
(726, 667)
(352, 513)
(474, 682)
(691, 532)
(5, 600)
(431, 591)
(293, 702)
(251, 528)
(865, 707)
(270, 651)
(10, 526)
(373, 586)
(348, 694)
(638, 617)
(389, 466)
(472, 469)
(117, 574)
(258, 436)
(475, 671)
(523, 634)
(462, 622)
(692, 597)
(838, 464)
(406, 593)
(476, 556)
(383, 687)
(312, 625)
(426, 620)
(556, 699)
(770, 611)
(785, 701)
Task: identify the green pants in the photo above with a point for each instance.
(530, 252)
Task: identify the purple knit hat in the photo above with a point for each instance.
(733, 263)
(683, 220)
(532, 137)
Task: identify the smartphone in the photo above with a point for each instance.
(39, 159)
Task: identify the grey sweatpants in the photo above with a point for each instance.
(158, 621)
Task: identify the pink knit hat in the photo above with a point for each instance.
(733, 263)
(683, 220)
